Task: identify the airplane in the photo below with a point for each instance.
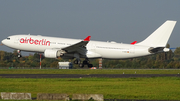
(53, 47)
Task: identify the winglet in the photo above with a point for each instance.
(87, 38)
(133, 42)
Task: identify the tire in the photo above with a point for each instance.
(77, 62)
(81, 65)
(85, 62)
(90, 65)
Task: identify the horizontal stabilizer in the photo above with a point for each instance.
(158, 49)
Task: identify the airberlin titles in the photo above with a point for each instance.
(35, 41)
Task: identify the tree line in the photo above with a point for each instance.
(168, 60)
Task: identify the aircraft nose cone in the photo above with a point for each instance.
(3, 42)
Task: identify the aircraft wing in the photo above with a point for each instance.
(79, 47)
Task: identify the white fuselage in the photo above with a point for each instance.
(73, 48)
(95, 49)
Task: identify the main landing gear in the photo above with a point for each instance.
(85, 62)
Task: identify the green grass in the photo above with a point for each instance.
(155, 88)
(81, 71)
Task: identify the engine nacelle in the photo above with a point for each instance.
(53, 53)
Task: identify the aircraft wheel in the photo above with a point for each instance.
(90, 65)
(81, 65)
(19, 56)
(85, 62)
(77, 61)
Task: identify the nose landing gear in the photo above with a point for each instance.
(19, 53)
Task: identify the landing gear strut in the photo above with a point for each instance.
(19, 53)
(77, 61)
(87, 62)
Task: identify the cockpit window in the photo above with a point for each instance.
(8, 38)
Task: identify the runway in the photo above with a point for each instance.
(85, 75)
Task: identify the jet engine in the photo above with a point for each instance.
(53, 53)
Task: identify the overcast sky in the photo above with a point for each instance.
(104, 20)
